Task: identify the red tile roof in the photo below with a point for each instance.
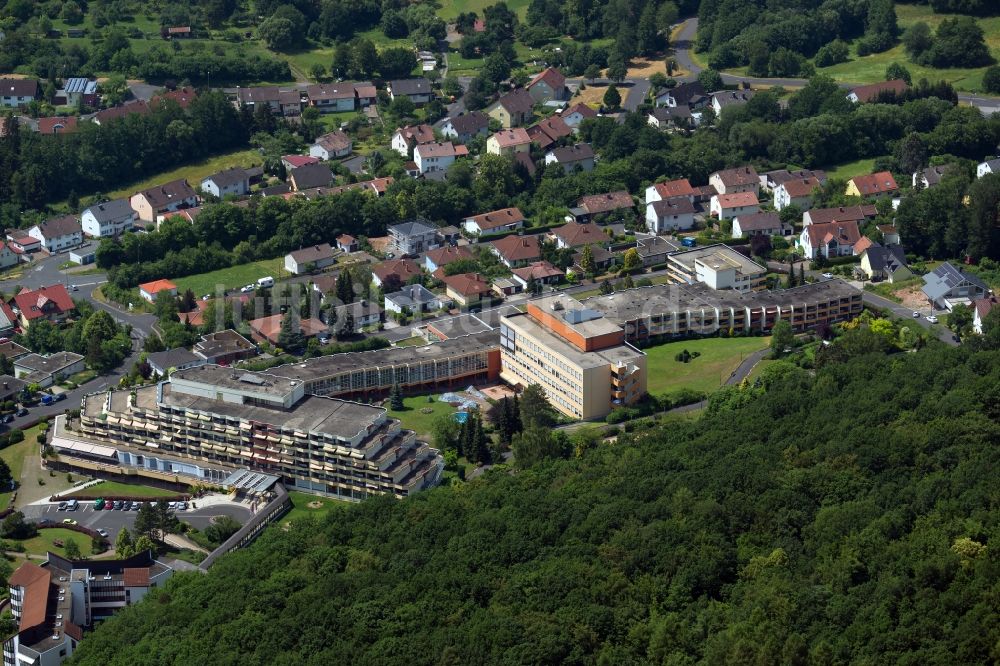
(269, 327)
(800, 187)
(446, 149)
(602, 203)
(182, 96)
(404, 269)
(299, 160)
(876, 183)
(551, 76)
(518, 248)
(841, 214)
(50, 300)
(845, 233)
(737, 200)
(497, 218)
(443, 256)
(574, 234)
(580, 108)
(36, 581)
(417, 134)
(57, 125)
(467, 284)
(156, 286)
(738, 176)
(515, 136)
(870, 92)
(675, 188)
(136, 577)
(539, 270)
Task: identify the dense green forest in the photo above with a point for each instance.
(846, 517)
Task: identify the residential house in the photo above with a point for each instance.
(548, 131)
(234, 181)
(413, 298)
(872, 92)
(412, 237)
(988, 167)
(366, 93)
(108, 219)
(947, 286)
(669, 214)
(442, 256)
(513, 109)
(691, 95)
(872, 185)
(448, 235)
(509, 142)
(11, 388)
(310, 176)
(858, 214)
(932, 175)
(548, 85)
(504, 287)
(770, 180)
(15, 93)
(347, 243)
(269, 328)
(150, 290)
(798, 192)
(394, 271)
(57, 125)
(51, 303)
(980, 308)
(760, 224)
(21, 242)
(182, 97)
(58, 233)
(79, 90)
(189, 215)
(728, 206)
(175, 195)
(466, 127)
(354, 317)
(418, 90)
(290, 103)
(105, 116)
(225, 347)
(8, 257)
(542, 272)
(603, 259)
(666, 117)
(515, 251)
(890, 235)
(885, 262)
(162, 363)
(703, 194)
(830, 240)
(467, 289)
(576, 235)
(259, 96)
(8, 321)
(332, 97)
(291, 162)
(405, 139)
(607, 206)
(653, 250)
(497, 221)
(571, 158)
(309, 259)
(332, 146)
(176, 32)
(48, 369)
(670, 189)
(576, 114)
(717, 266)
(732, 181)
(431, 157)
(11, 349)
(724, 99)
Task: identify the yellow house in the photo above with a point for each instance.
(872, 185)
(509, 142)
(513, 109)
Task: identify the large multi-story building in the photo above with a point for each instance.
(648, 313)
(718, 266)
(207, 421)
(577, 355)
(54, 603)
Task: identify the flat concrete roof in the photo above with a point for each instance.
(641, 302)
(237, 379)
(718, 257)
(586, 321)
(528, 326)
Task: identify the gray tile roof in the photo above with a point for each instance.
(111, 210)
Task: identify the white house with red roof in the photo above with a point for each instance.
(149, 290)
(52, 303)
(728, 206)
(505, 219)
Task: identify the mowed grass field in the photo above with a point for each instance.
(115, 488)
(871, 68)
(233, 277)
(849, 170)
(418, 414)
(450, 9)
(719, 358)
(44, 542)
(194, 171)
(301, 509)
(14, 457)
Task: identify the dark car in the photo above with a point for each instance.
(7, 418)
(21, 412)
(58, 396)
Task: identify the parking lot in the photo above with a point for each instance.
(114, 520)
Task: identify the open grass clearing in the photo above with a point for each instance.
(306, 505)
(194, 171)
(14, 456)
(419, 412)
(849, 170)
(233, 277)
(719, 357)
(45, 541)
(450, 10)
(117, 489)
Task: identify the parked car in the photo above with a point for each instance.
(58, 396)
(135, 506)
(916, 315)
(118, 504)
(62, 506)
(98, 504)
(932, 319)
(47, 399)
(7, 418)
(109, 505)
(73, 287)
(21, 412)
(69, 521)
(266, 282)
(103, 532)
(247, 288)
(827, 276)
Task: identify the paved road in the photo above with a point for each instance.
(688, 34)
(114, 521)
(637, 91)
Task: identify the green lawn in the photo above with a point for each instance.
(301, 508)
(888, 290)
(849, 170)
(450, 10)
(871, 68)
(42, 543)
(415, 341)
(14, 457)
(232, 277)
(114, 488)
(418, 414)
(193, 172)
(719, 357)
(759, 368)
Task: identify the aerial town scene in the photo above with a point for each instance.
(478, 332)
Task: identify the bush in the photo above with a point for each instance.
(991, 79)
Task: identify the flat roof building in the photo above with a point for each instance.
(577, 355)
(718, 266)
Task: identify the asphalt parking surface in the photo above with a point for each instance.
(113, 521)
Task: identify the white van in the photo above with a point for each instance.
(72, 505)
(266, 282)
